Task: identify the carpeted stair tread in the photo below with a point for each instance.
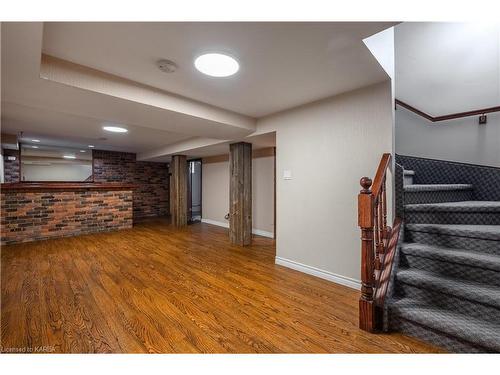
(467, 328)
(487, 232)
(436, 187)
(460, 256)
(472, 291)
(445, 287)
(462, 206)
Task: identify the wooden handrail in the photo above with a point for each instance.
(378, 245)
(380, 175)
(450, 116)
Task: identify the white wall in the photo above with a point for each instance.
(263, 194)
(2, 174)
(215, 194)
(443, 68)
(328, 146)
(215, 191)
(56, 172)
(462, 140)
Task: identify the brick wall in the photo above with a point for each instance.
(110, 166)
(35, 215)
(151, 198)
(11, 167)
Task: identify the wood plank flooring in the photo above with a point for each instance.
(157, 289)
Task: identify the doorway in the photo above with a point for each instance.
(194, 191)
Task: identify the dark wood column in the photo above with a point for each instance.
(240, 193)
(178, 190)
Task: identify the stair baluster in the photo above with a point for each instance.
(378, 244)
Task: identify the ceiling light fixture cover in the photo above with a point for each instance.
(115, 129)
(69, 157)
(35, 140)
(91, 146)
(216, 65)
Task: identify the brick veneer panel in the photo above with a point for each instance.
(30, 216)
(151, 197)
(110, 166)
(11, 167)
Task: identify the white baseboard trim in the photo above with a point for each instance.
(327, 275)
(258, 232)
(262, 233)
(214, 222)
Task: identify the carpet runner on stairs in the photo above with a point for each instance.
(446, 285)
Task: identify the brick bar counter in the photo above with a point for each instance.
(39, 211)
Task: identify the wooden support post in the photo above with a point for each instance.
(240, 193)
(366, 222)
(178, 190)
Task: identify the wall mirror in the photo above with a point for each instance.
(53, 163)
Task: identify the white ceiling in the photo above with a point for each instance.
(58, 129)
(282, 65)
(65, 114)
(258, 142)
(444, 68)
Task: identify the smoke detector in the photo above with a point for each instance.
(166, 66)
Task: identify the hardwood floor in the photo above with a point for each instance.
(157, 289)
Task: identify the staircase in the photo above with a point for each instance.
(446, 279)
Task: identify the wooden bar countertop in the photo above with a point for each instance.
(61, 186)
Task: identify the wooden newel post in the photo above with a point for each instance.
(366, 223)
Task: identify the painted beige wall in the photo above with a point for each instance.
(462, 140)
(327, 145)
(215, 193)
(263, 194)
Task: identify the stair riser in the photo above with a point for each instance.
(470, 218)
(436, 239)
(408, 180)
(451, 269)
(435, 298)
(431, 336)
(437, 196)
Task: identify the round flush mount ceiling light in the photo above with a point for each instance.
(91, 146)
(166, 66)
(216, 65)
(69, 156)
(35, 140)
(115, 129)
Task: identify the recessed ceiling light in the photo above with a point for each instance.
(115, 129)
(91, 146)
(35, 140)
(34, 146)
(216, 65)
(69, 157)
(83, 150)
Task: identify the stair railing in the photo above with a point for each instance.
(378, 245)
